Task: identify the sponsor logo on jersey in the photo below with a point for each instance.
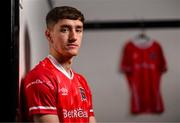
(75, 113)
(82, 93)
(64, 91)
(145, 65)
(37, 81)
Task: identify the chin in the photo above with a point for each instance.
(74, 52)
(71, 54)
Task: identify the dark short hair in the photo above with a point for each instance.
(63, 12)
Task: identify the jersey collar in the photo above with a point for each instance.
(60, 67)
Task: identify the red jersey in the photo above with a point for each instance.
(48, 90)
(143, 67)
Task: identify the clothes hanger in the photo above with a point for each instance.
(142, 39)
(143, 36)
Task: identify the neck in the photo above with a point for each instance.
(66, 62)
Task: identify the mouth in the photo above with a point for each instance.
(72, 46)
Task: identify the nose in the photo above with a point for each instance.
(73, 36)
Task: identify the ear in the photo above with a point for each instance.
(48, 35)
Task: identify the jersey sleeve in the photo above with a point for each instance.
(91, 111)
(162, 60)
(40, 96)
(125, 65)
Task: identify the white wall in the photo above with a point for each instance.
(100, 52)
(98, 61)
(125, 9)
(32, 19)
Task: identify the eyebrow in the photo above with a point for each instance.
(69, 26)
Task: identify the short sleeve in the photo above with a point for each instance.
(91, 111)
(162, 60)
(40, 97)
(125, 62)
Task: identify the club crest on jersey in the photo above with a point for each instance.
(82, 93)
(152, 55)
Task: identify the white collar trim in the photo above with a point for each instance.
(142, 44)
(60, 67)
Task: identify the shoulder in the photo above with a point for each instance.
(128, 45)
(44, 67)
(82, 80)
(157, 44)
(128, 42)
(80, 76)
(41, 73)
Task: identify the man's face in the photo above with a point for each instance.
(65, 37)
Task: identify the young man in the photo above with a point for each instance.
(52, 91)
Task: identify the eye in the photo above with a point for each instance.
(64, 30)
(79, 30)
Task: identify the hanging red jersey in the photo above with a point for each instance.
(143, 65)
(48, 90)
